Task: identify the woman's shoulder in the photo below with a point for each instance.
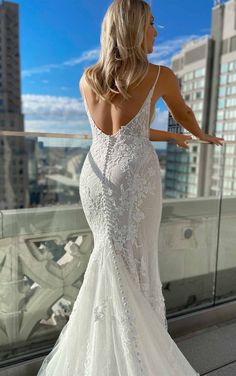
(83, 84)
(167, 77)
(82, 81)
(164, 70)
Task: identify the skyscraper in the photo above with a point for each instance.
(13, 159)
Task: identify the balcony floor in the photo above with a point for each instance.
(211, 351)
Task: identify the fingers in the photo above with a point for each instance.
(215, 140)
(185, 146)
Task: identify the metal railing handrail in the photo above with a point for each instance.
(81, 136)
(46, 134)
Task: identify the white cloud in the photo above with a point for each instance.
(86, 56)
(48, 113)
(38, 70)
(49, 107)
(47, 68)
(59, 126)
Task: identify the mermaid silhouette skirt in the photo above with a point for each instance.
(118, 324)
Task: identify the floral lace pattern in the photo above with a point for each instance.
(99, 310)
(119, 313)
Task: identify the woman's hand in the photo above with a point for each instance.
(211, 139)
(181, 140)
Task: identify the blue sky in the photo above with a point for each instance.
(59, 38)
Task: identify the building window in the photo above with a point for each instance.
(231, 90)
(200, 72)
(231, 102)
(230, 114)
(230, 149)
(231, 66)
(220, 115)
(219, 126)
(188, 76)
(222, 91)
(221, 103)
(199, 83)
(229, 161)
(198, 116)
(223, 79)
(232, 78)
(224, 68)
(187, 97)
(197, 106)
(199, 94)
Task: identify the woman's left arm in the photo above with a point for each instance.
(156, 135)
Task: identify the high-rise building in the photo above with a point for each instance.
(13, 158)
(206, 69)
(10, 63)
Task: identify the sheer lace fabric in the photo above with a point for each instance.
(118, 324)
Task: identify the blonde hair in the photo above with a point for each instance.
(123, 55)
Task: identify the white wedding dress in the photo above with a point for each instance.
(118, 324)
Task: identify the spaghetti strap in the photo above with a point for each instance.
(152, 89)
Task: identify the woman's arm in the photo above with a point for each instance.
(176, 138)
(182, 113)
(156, 135)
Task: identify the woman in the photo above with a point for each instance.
(118, 324)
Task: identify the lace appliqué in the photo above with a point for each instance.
(99, 310)
(127, 329)
(157, 301)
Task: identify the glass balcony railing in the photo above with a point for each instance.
(45, 240)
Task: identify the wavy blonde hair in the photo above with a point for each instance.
(123, 55)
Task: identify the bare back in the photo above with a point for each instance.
(110, 118)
